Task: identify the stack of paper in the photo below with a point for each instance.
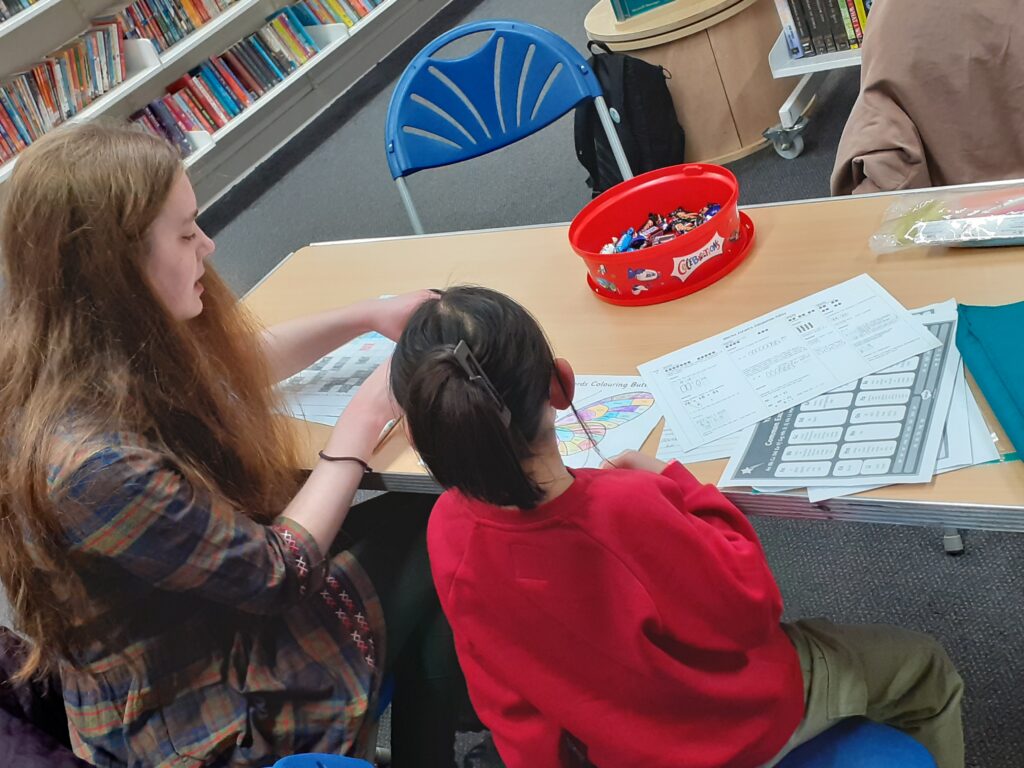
(840, 392)
(900, 425)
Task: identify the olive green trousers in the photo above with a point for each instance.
(886, 674)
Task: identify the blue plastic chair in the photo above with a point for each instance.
(321, 761)
(444, 111)
(858, 743)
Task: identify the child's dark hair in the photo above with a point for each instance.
(455, 420)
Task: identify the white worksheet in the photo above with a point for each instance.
(669, 448)
(967, 441)
(983, 439)
(619, 415)
(955, 448)
(883, 428)
(321, 392)
(721, 385)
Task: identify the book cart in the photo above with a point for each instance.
(786, 136)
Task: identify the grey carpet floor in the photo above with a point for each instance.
(331, 183)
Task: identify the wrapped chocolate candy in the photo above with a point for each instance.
(658, 229)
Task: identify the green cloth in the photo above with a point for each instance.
(992, 346)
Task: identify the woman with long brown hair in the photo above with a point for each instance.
(156, 542)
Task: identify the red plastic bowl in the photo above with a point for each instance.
(679, 267)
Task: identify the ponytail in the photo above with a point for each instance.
(472, 373)
(459, 434)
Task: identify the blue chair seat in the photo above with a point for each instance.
(858, 743)
(321, 761)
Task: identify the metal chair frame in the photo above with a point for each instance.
(445, 111)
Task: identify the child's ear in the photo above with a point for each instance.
(563, 384)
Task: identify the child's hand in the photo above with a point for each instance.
(635, 460)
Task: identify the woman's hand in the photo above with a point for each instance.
(389, 316)
(635, 460)
(360, 425)
(324, 499)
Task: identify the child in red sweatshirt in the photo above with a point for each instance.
(622, 616)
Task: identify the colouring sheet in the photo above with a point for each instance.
(619, 415)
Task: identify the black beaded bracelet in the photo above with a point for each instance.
(357, 460)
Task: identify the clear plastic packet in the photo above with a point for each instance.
(962, 218)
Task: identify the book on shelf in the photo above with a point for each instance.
(813, 27)
(862, 7)
(166, 22)
(627, 9)
(821, 27)
(224, 86)
(855, 27)
(9, 8)
(219, 89)
(789, 30)
(838, 29)
(803, 31)
(64, 83)
(71, 78)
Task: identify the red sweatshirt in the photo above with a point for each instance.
(636, 611)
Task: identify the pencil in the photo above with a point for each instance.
(386, 432)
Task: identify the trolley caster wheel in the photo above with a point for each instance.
(952, 542)
(789, 148)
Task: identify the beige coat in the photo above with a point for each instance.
(941, 98)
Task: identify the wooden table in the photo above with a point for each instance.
(799, 249)
(724, 94)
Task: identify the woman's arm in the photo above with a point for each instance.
(131, 505)
(322, 503)
(294, 345)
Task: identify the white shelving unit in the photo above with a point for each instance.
(222, 159)
(42, 28)
(811, 71)
(26, 16)
(783, 66)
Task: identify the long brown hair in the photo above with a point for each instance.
(82, 332)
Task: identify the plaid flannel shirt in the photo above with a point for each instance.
(206, 638)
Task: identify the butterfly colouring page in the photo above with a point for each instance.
(616, 413)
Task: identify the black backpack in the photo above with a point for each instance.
(644, 117)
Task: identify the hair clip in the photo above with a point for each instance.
(476, 374)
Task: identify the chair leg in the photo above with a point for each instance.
(952, 541)
(613, 138)
(410, 209)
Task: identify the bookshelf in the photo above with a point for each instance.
(830, 35)
(41, 28)
(223, 158)
(784, 66)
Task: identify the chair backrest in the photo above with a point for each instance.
(321, 761)
(444, 111)
(859, 743)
